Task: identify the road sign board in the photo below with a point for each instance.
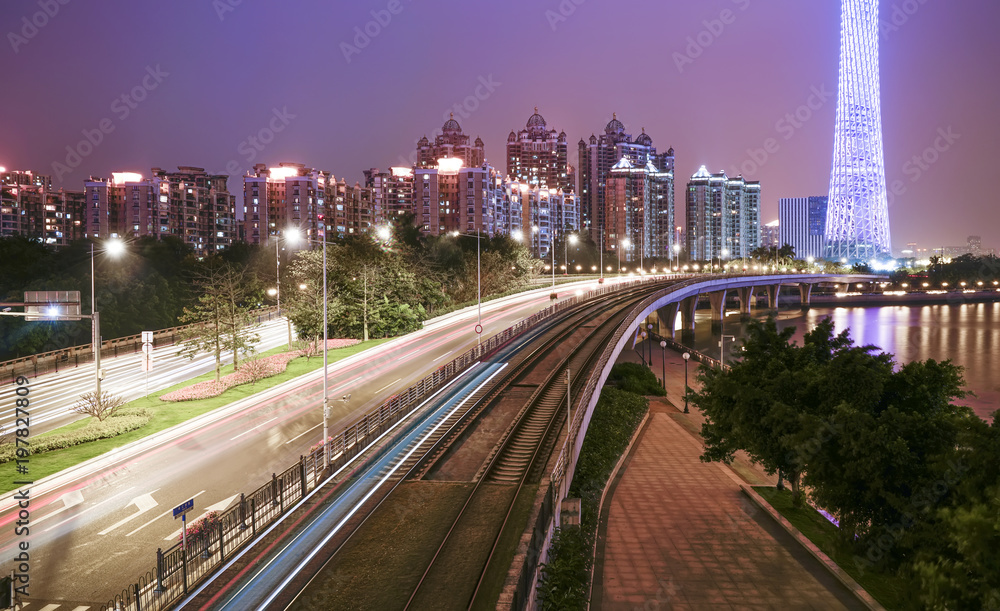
(147, 337)
(52, 305)
(479, 328)
(183, 508)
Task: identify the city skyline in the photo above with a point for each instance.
(229, 90)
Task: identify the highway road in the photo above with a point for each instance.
(53, 395)
(94, 528)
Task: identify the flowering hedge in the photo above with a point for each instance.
(120, 423)
(201, 529)
(273, 365)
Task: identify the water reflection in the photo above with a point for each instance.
(968, 334)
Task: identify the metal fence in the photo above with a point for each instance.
(178, 570)
(67, 358)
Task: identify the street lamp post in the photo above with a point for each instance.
(326, 366)
(687, 358)
(677, 256)
(649, 327)
(326, 362)
(602, 256)
(663, 363)
(479, 282)
(112, 247)
(571, 239)
(277, 282)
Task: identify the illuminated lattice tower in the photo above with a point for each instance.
(857, 221)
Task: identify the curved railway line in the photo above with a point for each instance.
(573, 342)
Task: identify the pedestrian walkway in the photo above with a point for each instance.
(679, 533)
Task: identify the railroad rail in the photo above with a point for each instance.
(520, 456)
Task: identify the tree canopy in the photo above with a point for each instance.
(912, 478)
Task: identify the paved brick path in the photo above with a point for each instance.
(681, 535)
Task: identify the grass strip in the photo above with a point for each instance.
(887, 589)
(163, 415)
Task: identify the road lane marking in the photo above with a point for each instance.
(143, 503)
(303, 433)
(159, 516)
(70, 499)
(49, 607)
(218, 507)
(253, 429)
(441, 357)
(388, 385)
(92, 507)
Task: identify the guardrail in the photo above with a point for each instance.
(179, 570)
(66, 358)
(542, 528)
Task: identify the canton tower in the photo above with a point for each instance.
(857, 217)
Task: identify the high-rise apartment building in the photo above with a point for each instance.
(598, 155)
(639, 211)
(770, 234)
(803, 225)
(311, 201)
(392, 191)
(275, 199)
(30, 207)
(189, 204)
(450, 143)
(723, 216)
(451, 197)
(545, 215)
(538, 156)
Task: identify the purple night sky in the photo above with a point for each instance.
(224, 67)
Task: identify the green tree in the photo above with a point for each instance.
(759, 403)
(898, 437)
(221, 320)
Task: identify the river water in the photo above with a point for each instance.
(968, 334)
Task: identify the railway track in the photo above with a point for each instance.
(518, 459)
(520, 455)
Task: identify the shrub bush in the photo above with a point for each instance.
(567, 574)
(119, 424)
(635, 378)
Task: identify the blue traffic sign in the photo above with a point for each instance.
(183, 508)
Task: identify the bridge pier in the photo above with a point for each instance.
(772, 296)
(746, 302)
(687, 308)
(805, 295)
(667, 317)
(717, 300)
